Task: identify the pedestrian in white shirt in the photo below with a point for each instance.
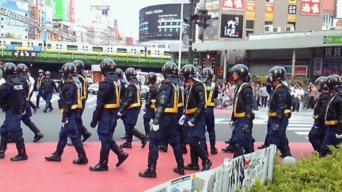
(32, 82)
(2, 80)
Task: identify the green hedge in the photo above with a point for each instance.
(311, 174)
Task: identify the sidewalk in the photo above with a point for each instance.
(36, 174)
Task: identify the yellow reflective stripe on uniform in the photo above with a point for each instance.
(28, 90)
(174, 108)
(84, 87)
(238, 115)
(78, 105)
(330, 122)
(181, 93)
(117, 99)
(192, 110)
(138, 103)
(153, 104)
(273, 114)
(210, 88)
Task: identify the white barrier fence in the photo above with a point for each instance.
(233, 174)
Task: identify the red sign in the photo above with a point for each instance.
(72, 11)
(269, 8)
(233, 5)
(300, 70)
(310, 7)
(36, 13)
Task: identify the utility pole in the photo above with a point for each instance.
(191, 31)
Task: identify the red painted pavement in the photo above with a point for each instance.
(36, 174)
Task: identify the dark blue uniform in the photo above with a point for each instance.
(27, 111)
(279, 114)
(150, 107)
(243, 120)
(318, 130)
(48, 87)
(333, 122)
(108, 103)
(211, 94)
(69, 102)
(12, 103)
(130, 111)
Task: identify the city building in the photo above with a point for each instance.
(159, 25)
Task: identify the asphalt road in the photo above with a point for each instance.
(50, 123)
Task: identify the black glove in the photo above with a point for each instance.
(246, 128)
(93, 124)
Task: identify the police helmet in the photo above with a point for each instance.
(241, 71)
(68, 70)
(107, 66)
(334, 81)
(189, 71)
(130, 73)
(208, 73)
(22, 68)
(170, 69)
(249, 78)
(151, 77)
(278, 73)
(79, 65)
(120, 73)
(47, 73)
(41, 71)
(322, 82)
(9, 69)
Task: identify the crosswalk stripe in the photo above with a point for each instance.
(298, 129)
(302, 133)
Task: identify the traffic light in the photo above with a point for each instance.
(201, 18)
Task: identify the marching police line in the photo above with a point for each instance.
(180, 108)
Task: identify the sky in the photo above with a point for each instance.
(125, 11)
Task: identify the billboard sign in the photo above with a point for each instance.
(237, 5)
(310, 7)
(72, 12)
(99, 16)
(13, 28)
(61, 10)
(24, 53)
(231, 26)
(162, 22)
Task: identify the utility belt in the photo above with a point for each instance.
(274, 114)
(242, 115)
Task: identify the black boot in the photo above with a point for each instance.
(38, 137)
(82, 158)
(46, 108)
(37, 134)
(150, 172)
(103, 163)
(122, 156)
(50, 107)
(19, 143)
(184, 149)
(37, 103)
(147, 128)
(213, 149)
(128, 143)
(2, 151)
(266, 144)
(140, 136)
(180, 167)
(86, 133)
(200, 151)
(54, 157)
(194, 161)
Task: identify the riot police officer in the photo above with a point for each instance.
(150, 101)
(80, 73)
(124, 84)
(183, 133)
(22, 71)
(105, 114)
(212, 93)
(243, 116)
(317, 132)
(131, 109)
(279, 111)
(48, 86)
(39, 81)
(12, 103)
(69, 103)
(194, 117)
(164, 127)
(333, 117)
(269, 89)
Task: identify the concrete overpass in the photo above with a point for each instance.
(290, 40)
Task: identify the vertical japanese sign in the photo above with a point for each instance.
(269, 10)
(250, 10)
(72, 11)
(233, 5)
(310, 7)
(292, 11)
